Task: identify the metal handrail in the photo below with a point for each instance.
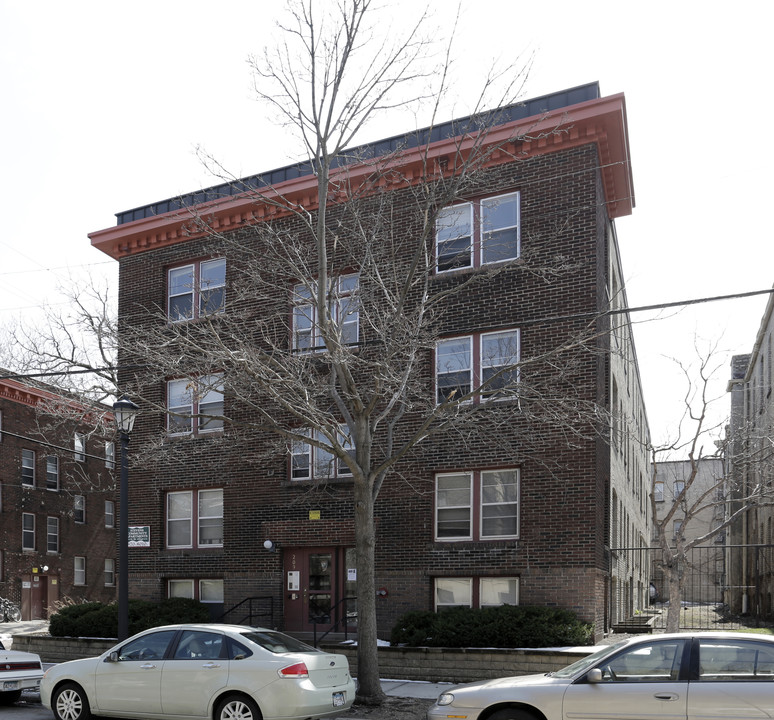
(336, 624)
(251, 613)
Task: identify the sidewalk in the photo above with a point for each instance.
(25, 627)
(414, 688)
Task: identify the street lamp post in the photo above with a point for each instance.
(124, 411)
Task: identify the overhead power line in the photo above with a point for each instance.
(534, 321)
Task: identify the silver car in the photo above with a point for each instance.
(223, 672)
(18, 671)
(670, 677)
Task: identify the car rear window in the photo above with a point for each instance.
(277, 642)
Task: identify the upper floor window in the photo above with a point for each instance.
(489, 361)
(79, 509)
(344, 311)
(79, 446)
(678, 488)
(196, 289)
(110, 455)
(52, 472)
(52, 534)
(110, 572)
(658, 491)
(28, 531)
(309, 462)
(195, 519)
(79, 570)
(110, 514)
(477, 505)
(28, 468)
(200, 399)
(477, 233)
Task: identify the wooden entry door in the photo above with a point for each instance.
(318, 582)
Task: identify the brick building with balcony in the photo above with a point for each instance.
(518, 512)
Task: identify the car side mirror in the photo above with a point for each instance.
(594, 675)
(113, 657)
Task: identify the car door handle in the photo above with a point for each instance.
(211, 665)
(147, 666)
(666, 696)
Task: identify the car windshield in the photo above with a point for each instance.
(585, 663)
(277, 642)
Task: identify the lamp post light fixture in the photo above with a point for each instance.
(125, 412)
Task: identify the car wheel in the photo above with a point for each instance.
(69, 702)
(10, 697)
(512, 714)
(237, 707)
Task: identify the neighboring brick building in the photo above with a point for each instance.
(750, 462)
(57, 503)
(564, 506)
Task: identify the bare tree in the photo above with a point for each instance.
(692, 507)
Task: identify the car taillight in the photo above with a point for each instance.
(295, 672)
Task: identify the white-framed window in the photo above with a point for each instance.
(28, 468)
(195, 519)
(110, 455)
(28, 531)
(52, 472)
(79, 509)
(658, 491)
(52, 534)
(79, 447)
(677, 527)
(476, 592)
(196, 289)
(488, 361)
(344, 310)
(110, 572)
(110, 514)
(79, 570)
(195, 405)
(478, 233)
(678, 488)
(206, 590)
(309, 462)
(480, 505)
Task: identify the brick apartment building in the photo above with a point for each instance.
(57, 504)
(261, 520)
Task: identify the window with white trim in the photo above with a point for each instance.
(52, 534)
(678, 489)
(658, 491)
(476, 592)
(110, 514)
(79, 570)
(52, 472)
(110, 455)
(196, 289)
(487, 360)
(110, 572)
(195, 519)
(206, 590)
(28, 468)
(79, 509)
(309, 462)
(195, 406)
(28, 531)
(344, 310)
(480, 505)
(478, 233)
(79, 447)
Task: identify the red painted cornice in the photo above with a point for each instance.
(25, 394)
(601, 121)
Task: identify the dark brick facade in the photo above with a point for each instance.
(37, 577)
(560, 554)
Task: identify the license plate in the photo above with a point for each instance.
(339, 698)
(13, 685)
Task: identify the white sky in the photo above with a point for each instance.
(103, 105)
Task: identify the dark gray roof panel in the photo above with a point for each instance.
(453, 128)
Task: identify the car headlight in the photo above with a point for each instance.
(445, 699)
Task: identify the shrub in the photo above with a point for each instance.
(505, 626)
(95, 619)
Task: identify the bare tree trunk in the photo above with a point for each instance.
(369, 689)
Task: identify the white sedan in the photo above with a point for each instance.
(222, 672)
(18, 671)
(704, 676)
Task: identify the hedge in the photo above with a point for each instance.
(505, 626)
